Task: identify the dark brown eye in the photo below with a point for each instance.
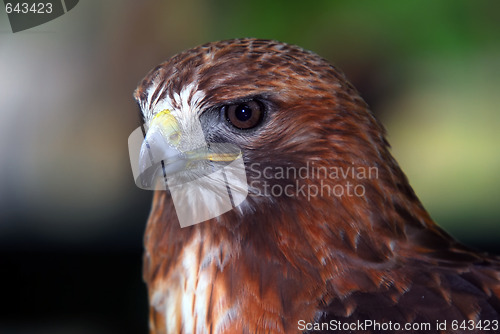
(245, 115)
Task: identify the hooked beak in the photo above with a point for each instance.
(161, 156)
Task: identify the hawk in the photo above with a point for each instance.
(330, 238)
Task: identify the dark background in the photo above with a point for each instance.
(71, 219)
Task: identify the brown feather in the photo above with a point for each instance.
(278, 259)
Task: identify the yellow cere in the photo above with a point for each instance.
(166, 123)
(168, 126)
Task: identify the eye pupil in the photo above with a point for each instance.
(243, 112)
(245, 115)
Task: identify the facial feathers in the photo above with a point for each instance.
(330, 231)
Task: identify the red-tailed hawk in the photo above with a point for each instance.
(331, 237)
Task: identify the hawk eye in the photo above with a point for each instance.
(244, 115)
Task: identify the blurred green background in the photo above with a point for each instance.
(71, 219)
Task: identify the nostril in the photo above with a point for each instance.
(174, 138)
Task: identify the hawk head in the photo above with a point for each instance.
(329, 217)
(282, 109)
